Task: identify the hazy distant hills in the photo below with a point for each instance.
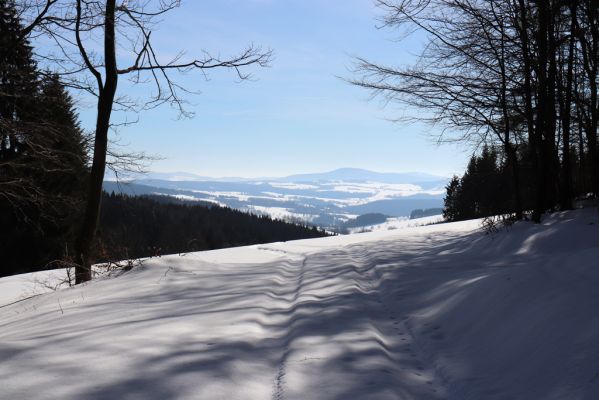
(340, 174)
(362, 175)
(327, 199)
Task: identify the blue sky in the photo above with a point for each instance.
(296, 116)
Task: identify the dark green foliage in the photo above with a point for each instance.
(427, 212)
(143, 226)
(51, 167)
(42, 157)
(452, 209)
(365, 220)
(18, 83)
(484, 189)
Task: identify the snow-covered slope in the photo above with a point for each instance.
(432, 312)
(18, 287)
(398, 223)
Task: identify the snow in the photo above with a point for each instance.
(398, 223)
(391, 189)
(369, 191)
(377, 191)
(281, 213)
(292, 185)
(18, 287)
(185, 197)
(431, 312)
(236, 195)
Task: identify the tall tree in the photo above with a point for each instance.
(73, 25)
(18, 84)
(465, 78)
(42, 156)
(451, 206)
(504, 71)
(587, 30)
(565, 105)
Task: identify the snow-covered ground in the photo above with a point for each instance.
(398, 223)
(18, 287)
(281, 213)
(432, 312)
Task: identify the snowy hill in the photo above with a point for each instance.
(430, 312)
(398, 223)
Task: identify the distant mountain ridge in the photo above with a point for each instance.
(337, 175)
(363, 175)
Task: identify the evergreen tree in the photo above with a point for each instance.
(18, 83)
(66, 171)
(451, 210)
(42, 157)
(482, 191)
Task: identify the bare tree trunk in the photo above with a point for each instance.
(105, 102)
(552, 156)
(590, 55)
(509, 149)
(545, 116)
(579, 88)
(566, 189)
(594, 106)
(533, 141)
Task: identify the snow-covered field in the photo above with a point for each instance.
(19, 287)
(398, 223)
(431, 312)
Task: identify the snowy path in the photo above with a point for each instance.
(341, 330)
(428, 313)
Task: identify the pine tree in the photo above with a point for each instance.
(66, 170)
(451, 211)
(18, 85)
(482, 191)
(43, 161)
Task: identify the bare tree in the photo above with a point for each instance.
(565, 87)
(587, 31)
(465, 79)
(518, 72)
(86, 35)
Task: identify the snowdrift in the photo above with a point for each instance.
(433, 312)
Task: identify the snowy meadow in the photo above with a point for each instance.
(431, 312)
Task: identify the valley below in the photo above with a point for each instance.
(328, 200)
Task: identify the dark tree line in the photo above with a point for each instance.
(517, 75)
(138, 226)
(43, 156)
(485, 189)
(426, 212)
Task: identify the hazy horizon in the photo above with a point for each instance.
(152, 171)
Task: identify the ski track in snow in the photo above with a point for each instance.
(279, 382)
(363, 268)
(423, 370)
